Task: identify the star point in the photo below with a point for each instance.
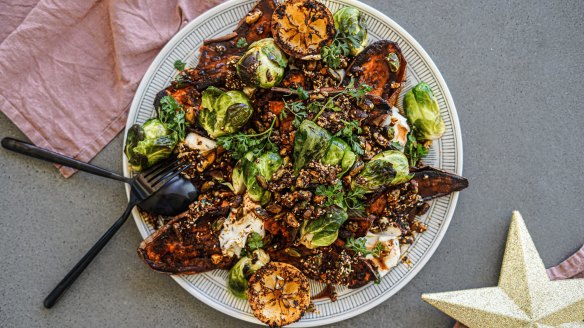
(524, 297)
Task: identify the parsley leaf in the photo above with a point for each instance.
(172, 115)
(414, 150)
(254, 241)
(179, 65)
(241, 43)
(298, 109)
(358, 246)
(240, 143)
(336, 195)
(350, 133)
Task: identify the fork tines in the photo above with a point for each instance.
(165, 176)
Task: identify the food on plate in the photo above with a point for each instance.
(302, 27)
(222, 112)
(263, 64)
(279, 294)
(382, 66)
(307, 166)
(350, 24)
(423, 111)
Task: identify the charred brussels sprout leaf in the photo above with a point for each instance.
(249, 172)
(148, 144)
(263, 64)
(339, 153)
(324, 230)
(242, 271)
(224, 113)
(387, 168)
(423, 112)
(310, 143)
(351, 29)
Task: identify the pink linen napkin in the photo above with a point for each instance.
(572, 267)
(70, 68)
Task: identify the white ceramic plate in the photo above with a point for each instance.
(445, 154)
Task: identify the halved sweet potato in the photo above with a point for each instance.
(184, 247)
(382, 66)
(213, 68)
(434, 183)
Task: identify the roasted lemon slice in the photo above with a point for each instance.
(278, 294)
(302, 27)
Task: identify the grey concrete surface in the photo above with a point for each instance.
(515, 70)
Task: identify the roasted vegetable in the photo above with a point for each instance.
(181, 246)
(423, 112)
(278, 294)
(302, 27)
(224, 113)
(387, 168)
(434, 183)
(148, 144)
(350, 26)
(324, 230)
(339, 153)
(263, 64)
(213, 67)
(382, 66)
(253, 172)
(311, 143)
(240, 273)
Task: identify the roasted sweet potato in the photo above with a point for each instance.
(184, 246)
(434, 183)
(215, 54)
(325, 264)
(382, 66)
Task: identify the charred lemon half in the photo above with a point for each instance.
(278, 294)
(302, 27)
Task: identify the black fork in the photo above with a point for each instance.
(143, 186)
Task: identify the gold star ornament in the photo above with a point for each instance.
(525, 297)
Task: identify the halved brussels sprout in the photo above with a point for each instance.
(310, 143)
(248, 172)
(423, 112)
(240, 273)
(263, 64)
(339, 153)
(387, 168)
(324, 230)
(348, 21)
(224, 112)
(148, 144)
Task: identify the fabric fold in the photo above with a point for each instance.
(70, 69)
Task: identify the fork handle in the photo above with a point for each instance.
(31, 150)
(86, 259)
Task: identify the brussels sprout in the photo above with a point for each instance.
(324, 230)
(348, 22)
(310, 143)
(224, 112)
(242, 271)
(339, 153)
(237, 178)
(263, 64)
(148, 144)
(251, 170)
(387, 168)
(423, 112)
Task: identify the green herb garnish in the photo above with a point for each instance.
(240, 143)
(414, 150)
(336, 195)
(254, 241)
(179, 65)
(358, 246)
(350, 133)
(172, 115)
(241, 43)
